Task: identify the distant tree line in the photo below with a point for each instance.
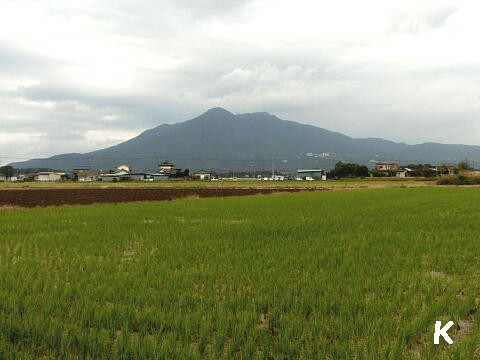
(353, 170)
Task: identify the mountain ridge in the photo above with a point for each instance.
(220, 140)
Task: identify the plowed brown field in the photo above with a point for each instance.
(54, 196)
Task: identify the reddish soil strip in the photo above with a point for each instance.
(54, 196)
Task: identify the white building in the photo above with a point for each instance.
(123, 169)
(49, 176)
(121, 173)
(202, 175)
(87, 176)
(310, 174)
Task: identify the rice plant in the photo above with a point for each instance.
(331, 275)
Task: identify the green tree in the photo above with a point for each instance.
(463, 165)
(342, 170)
(7, 171)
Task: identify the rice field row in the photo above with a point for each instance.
(329, 275)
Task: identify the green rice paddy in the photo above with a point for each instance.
(361, 274)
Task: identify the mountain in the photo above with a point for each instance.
(219, 140)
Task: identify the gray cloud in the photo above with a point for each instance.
(85, 77)
(16, 61)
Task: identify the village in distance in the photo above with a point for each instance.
(167, 171)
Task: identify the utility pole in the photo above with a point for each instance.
(273, 170)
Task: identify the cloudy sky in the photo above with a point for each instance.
(80, 75)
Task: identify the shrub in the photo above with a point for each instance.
(459, 180)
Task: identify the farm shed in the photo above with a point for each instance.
(310, 174)
(27, 177)
(403, 172)
(140, 177)
(113, 177)
(49, 176)
(159, 177)
(87, 176)
(202, 175)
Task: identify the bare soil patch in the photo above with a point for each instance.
(75, 196)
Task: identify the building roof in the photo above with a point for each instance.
(49, 173)
(114, 175)
(309, 170)
(166, 162)
(88, 173)
(386, 163)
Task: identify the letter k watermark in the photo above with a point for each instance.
(442, 331)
